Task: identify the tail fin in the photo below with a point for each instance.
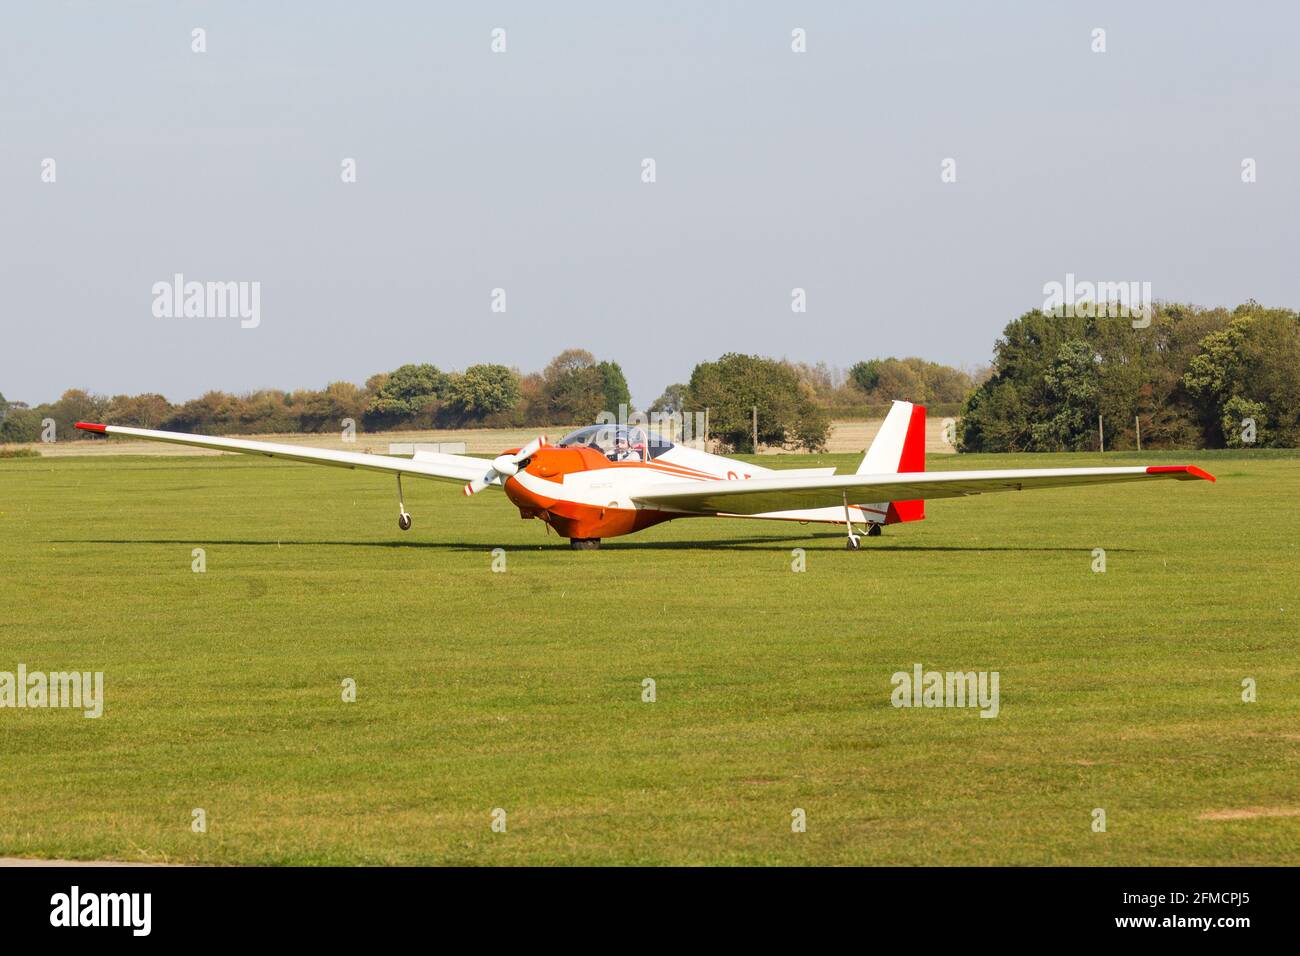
(899, 446)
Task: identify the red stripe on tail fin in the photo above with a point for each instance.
(912, 459)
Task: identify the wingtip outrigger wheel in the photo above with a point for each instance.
(403, 518)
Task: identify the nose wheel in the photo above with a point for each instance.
(403, 518)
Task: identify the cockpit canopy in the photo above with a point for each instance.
(618, 442)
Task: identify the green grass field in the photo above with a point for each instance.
(522, 690)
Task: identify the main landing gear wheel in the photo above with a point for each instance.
(854, 542)
(404, 521)
(584, 544)
(873, 530)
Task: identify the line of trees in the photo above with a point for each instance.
(1194, 377)
(574, 387)
(795, 401)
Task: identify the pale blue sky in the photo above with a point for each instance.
(479, 170)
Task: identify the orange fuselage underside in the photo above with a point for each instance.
(572, 519)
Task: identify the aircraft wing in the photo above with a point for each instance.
(459, 468)
(761, 495)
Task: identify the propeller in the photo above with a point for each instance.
(503, 466)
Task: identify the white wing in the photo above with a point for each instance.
(427, 465)
(759, 495)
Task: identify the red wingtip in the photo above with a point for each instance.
(92, 427)
(1190, 470)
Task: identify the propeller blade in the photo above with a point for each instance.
(503, 466)
(478, 484)
(531, 448)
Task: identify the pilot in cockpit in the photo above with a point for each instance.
(623, 450)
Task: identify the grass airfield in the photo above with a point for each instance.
(523, 690)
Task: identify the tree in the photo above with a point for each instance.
(733, 385)
(1040, 398)
(910, 379)
(264, 411)
(994, 418)
(143, 411)
(483, 390)
(1249, 370)
(812, 423)
(74, 405)
(532, 408)
(901, 379)
(824, 382)
(1245, 423)
(945, 385)
(574, 387)
(1073, 388)
(406, 394)
(210, 412)
(18, 423)
(672, 401)
(866, 375)
(326, 410)
(614, 387)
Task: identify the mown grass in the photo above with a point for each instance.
(522, 690)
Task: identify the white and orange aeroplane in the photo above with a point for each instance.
(608, 480)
